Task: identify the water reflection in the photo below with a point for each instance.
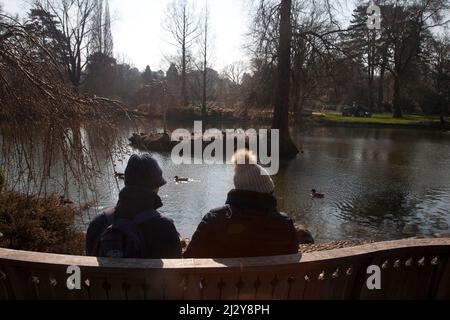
(378, 183)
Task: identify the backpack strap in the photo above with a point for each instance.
(109, 215)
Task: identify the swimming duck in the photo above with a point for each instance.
(179, 179)
(119, 175)
(317, 195)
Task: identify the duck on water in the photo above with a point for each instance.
(180, 179)
(317, 195)
(119, 175)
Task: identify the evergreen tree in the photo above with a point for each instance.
(147, 75)
(45, 26)
(102, 41)
(108, 44)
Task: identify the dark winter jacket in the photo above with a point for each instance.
(161, 237)
(248, 226)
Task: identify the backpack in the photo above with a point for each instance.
(123, 238)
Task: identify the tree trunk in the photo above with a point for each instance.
(380, 102)
(370, 92)
(204, 94)
(444, 107)
(370, 74)
(183, 76)
(296, 101)
(280, 119)
(381, 90)
(183, 61)
(397, 109)
(205, 65)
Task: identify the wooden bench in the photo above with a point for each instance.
(411, 268)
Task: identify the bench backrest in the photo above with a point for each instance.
(411, 269)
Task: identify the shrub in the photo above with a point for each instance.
(39, 224)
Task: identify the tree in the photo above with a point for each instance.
(280, 119)
(181, 23)
(362, 45)
(107, 33)
(74, 19)
(205, 52)
(100, 75)
(31, 77)
(147, 75)
(272, 34)
(100, 63)
(128, 81)
(403, 36)
(231, 85)
(235, 72)
(172, 77)
(32, 89)
(348, 63)
(44, 25)
(404, 29)
(440, 66)
(102, 41)
(172, 73)
(310, 55)
(158, 75)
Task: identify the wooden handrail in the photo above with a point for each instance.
(83, 261)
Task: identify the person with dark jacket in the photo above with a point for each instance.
(143, 178)
(249, 225)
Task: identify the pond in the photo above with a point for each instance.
(378, 184)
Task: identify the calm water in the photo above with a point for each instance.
(378, 183)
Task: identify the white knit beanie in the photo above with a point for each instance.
(249, 175)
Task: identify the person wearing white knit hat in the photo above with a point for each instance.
(250, 176)
(249, 225)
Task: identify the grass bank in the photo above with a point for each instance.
(379, 119)
(217, 111)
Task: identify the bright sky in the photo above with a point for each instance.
(138, 36)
